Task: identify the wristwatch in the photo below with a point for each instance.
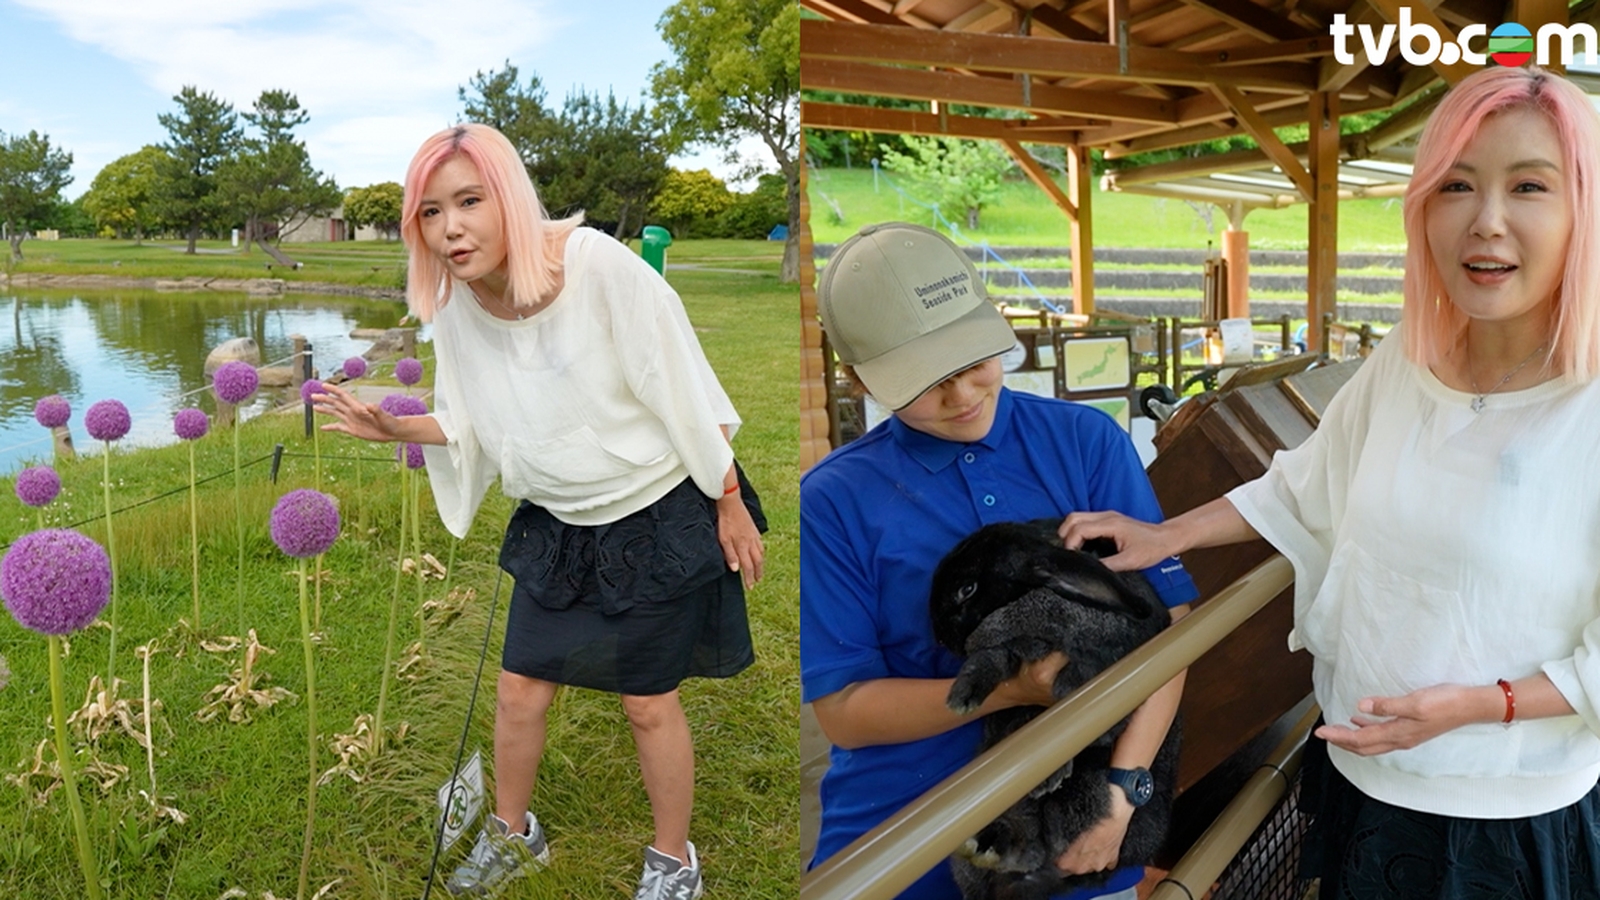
(1136, 784)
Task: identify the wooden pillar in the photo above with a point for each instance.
(1236, 253)
(1079, 185)
(816, 437)
(299, 365)
(1322, 255)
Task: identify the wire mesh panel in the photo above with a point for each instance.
(1268, 868)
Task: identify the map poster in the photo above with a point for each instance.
(1093, 364)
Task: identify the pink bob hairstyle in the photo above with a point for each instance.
(1434, 325)
(533, 262)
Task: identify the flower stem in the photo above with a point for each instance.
(238, 516)
(394, 615)
(69, 779)
(194, 539)
(111, 551)
(311, 732)
(416, 542)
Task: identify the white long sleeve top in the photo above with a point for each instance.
(1435, 545)
(593, 408)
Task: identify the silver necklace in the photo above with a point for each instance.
(1478, 401)
(502, 304)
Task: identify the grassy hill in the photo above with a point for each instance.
(843, 200)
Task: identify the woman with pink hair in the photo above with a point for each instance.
(567, 368)
(1443, 523)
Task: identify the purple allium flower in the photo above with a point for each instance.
(52, 411)
(410, 454)
(235, 381)
(403, 405)
(190, 424)
(309, 387)
(107, 420)
(355, 367)
(55, 581)
(305, 523)
(38, 486)
(408, 371)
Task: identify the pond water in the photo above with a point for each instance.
(148, 349)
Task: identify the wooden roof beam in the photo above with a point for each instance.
(1252, 19)
(1004, 93)
(1258, 128)
(1064, 25)
(1421, 14)
(1125, 138)
(845, 117)
(1050, 57)
(1040, 177)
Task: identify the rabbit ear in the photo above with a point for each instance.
(1086, 580)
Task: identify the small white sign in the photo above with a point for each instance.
(461, 799)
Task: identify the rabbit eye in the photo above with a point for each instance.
(966, 592)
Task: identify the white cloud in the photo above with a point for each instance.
(338, 57)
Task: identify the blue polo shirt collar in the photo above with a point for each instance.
(935, 453)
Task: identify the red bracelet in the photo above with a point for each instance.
(1511, 701)
(727, 491)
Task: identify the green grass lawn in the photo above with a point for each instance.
(843, 200)
(243, 786)
(375, 264)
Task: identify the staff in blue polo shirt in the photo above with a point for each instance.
(909, 318)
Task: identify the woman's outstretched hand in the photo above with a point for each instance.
(360, 420)
(1140, 545)
(740, 540)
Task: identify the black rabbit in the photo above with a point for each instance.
(1010, 593)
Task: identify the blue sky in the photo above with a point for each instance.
(377, 76)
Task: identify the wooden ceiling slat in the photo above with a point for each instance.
(1252, 19)
(1040, 56)
(852, 11)
(920, 84)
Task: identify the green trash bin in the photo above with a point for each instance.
(656, 241)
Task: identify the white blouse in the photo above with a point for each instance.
(594, 407)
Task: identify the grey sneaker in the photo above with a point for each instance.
(499, 857)
(668, 878)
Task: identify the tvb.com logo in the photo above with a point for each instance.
(1509, 44)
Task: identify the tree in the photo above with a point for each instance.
(203, 132)
(378, 206)
(269, 179)
(596, 155)
(122, 197)
(32, 174)
(962, 177)
(753, 215)
(690, 202)
(614, 163)
(736, 70)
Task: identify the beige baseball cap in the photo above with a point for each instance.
(905, 308)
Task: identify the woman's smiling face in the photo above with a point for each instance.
(1498, 225)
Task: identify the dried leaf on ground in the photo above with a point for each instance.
(103, 712)
(102, 774)
(241, 697)
(358, 749)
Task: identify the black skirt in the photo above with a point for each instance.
(630, 607)
(1365, 849)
